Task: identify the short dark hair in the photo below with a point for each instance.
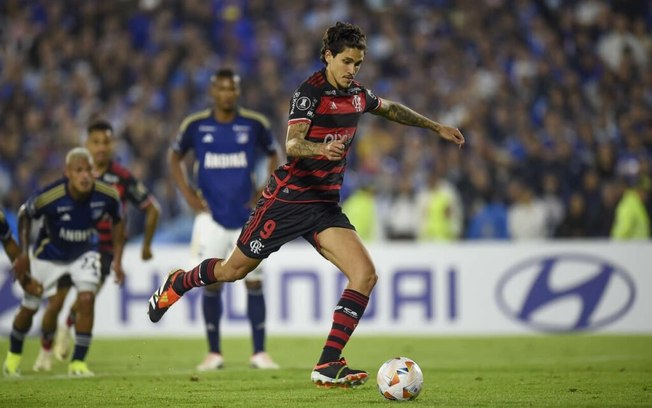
(101, 125)
(340, 36)
(225, 73)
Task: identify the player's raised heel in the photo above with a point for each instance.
(62, 343)
(43, 361)
(164, 297)
(337, 374)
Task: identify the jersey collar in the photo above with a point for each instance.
(330, 90)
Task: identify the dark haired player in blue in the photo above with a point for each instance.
(66, 243)
(301, 198)
(227, 141)
(12, 250)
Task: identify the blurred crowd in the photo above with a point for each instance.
(554, 98)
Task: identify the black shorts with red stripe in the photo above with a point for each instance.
(275, 222)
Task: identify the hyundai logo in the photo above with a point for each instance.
(566, 292)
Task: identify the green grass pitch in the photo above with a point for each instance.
(527, 371)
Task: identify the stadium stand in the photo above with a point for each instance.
(551, 95)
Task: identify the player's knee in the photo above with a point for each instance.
(30, 303)
(364, 278)
(367, 278)
(26, 312)
(23, 319)
(371, 277)
(86, 300)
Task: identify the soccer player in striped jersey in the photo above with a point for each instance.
(301, 198)
(227, 142)
(29, 284)
(66, 244)
(100, 142)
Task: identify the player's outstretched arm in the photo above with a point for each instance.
(272, 163)
(152, 213)
(21, 264)
(296, 144)
(118, 233)
(180, 178)
(400, 113)
(11, 248)
(24, 228)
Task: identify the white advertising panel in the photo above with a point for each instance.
(464, 288)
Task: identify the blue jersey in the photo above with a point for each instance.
(69, 226)
(226, 155)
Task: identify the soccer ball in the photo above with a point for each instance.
(399, 379)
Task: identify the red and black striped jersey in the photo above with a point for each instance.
(129, 189)
(333, 114)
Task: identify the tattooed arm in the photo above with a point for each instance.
(297, 146)
(400, 113)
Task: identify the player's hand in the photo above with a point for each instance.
(31, 285)
(196, 203)
(22, 274)
(452, 134)
(334, 150)
(146, 253)
(119, 273)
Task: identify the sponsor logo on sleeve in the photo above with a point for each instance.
(303, 103)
